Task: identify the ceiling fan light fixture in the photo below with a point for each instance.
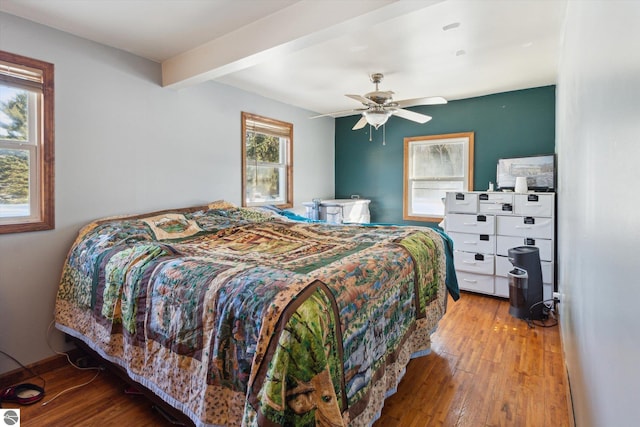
(376, 118)
(378, 106)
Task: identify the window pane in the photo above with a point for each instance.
(14, 183)
(426, 196)
(437, 160)
(14, 113)
(265, 184)
(263, 148)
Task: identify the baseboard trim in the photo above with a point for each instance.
(20, 375)
(572, 417)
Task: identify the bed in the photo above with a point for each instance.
(243, 316)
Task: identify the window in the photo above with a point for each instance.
(26, 144)
(267, 169)
(434, 165)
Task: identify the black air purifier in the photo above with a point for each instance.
(525, 283)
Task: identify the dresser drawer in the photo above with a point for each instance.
(495, 197)
(545, 246)
(462, 202)
(501, 286)
(534, 204)
(475, 282)
(547, 272)
(496, 208)
(495, 203)
(483, 243)
(525, 226)
(473, 262)
(474, 224)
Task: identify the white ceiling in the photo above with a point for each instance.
(310, 53)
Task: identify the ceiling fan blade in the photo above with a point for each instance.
(431, 100)
(411, 115)
(336, 113)
(361, 123)
(360, 98)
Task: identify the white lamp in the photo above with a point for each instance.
(521, 185)
(376, 118)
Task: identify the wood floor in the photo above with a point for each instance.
(486, 369)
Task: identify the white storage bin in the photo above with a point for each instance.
(525, 226)
(461, 202)
(474, 224)
(496, 208)
(345, 210)
(473, 263)
(483, 243)
(495, 203)
(495, 197)
(475, 282)
(337, 211)
(534, 204)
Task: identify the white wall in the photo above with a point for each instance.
(598, 149)
(126, 145)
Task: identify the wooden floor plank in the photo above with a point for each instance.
(486, 368)
(479, 398)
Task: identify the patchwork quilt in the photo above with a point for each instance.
(239, 316)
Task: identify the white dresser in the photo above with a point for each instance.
(485, 225)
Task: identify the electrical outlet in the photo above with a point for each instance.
(556, 296)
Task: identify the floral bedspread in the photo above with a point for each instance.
(239, 317)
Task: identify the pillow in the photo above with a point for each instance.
(221, 204)
(170, 226)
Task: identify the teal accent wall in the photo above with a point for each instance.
(509, 124)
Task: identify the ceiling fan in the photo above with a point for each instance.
(379, 106)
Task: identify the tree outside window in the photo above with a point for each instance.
(14, 164)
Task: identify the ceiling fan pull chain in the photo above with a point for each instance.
(370, 132)
(384, 135)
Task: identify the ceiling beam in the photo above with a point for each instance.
(300, 25)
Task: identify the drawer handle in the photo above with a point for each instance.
(470, 243)
(470, 223)
(523, 226)
(469, 262)
(470, 280)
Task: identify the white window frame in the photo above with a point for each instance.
(438, 183)
(36, 77)
(284, 131)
